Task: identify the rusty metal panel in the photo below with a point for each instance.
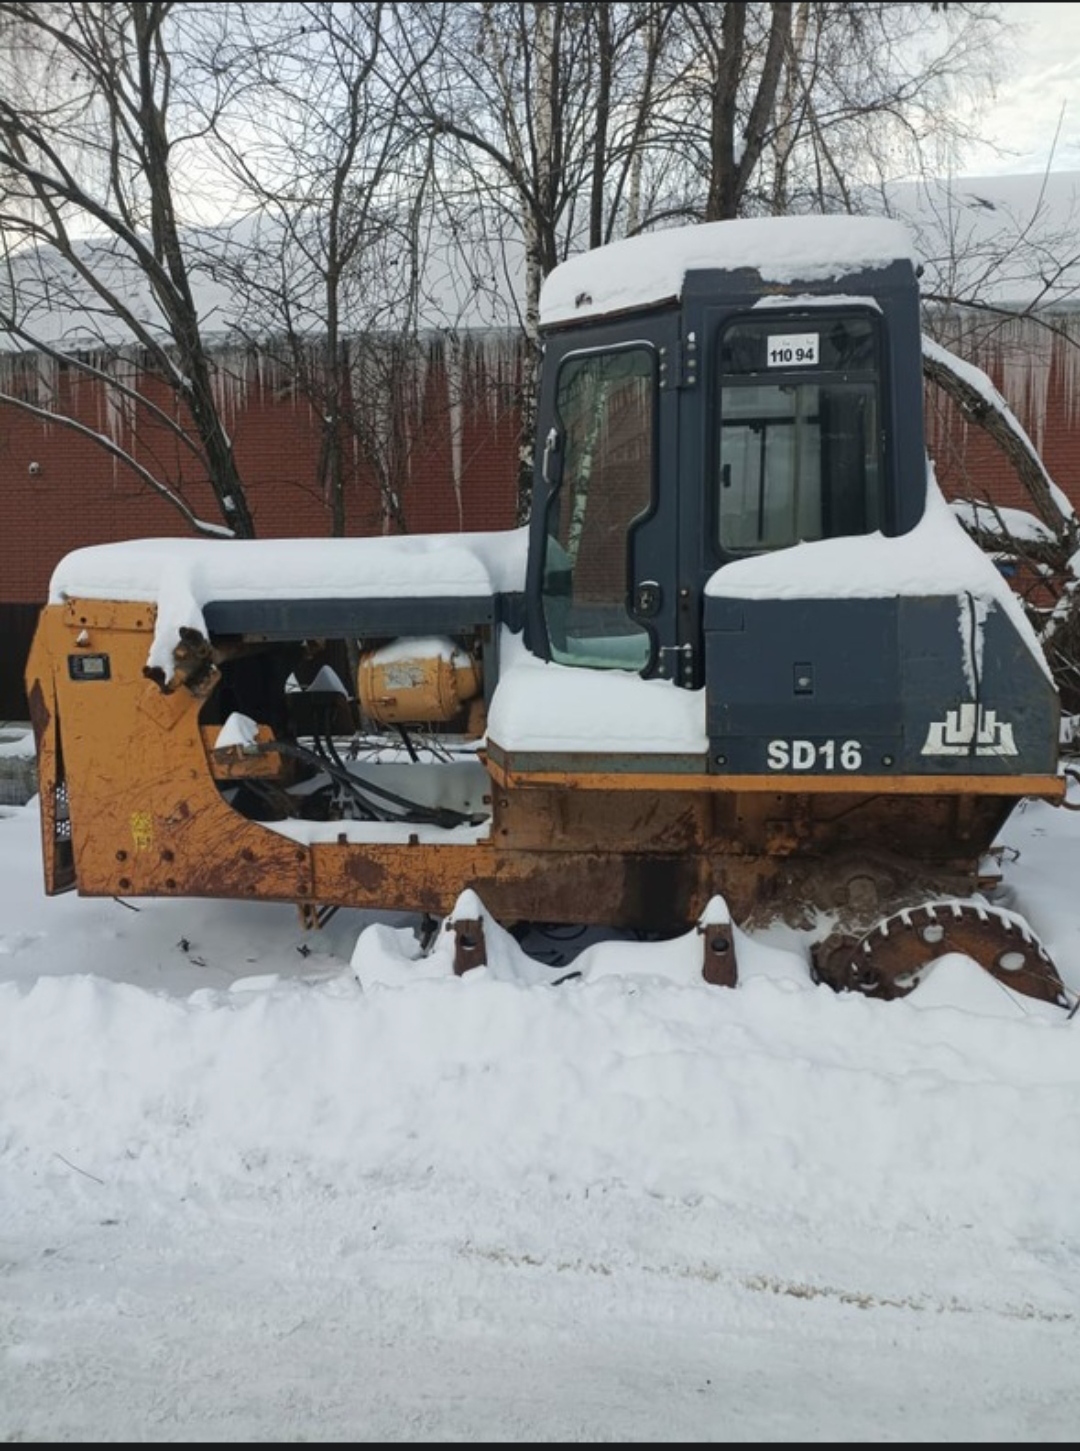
(58, 865)
(550, 819)
(233, 763)
(109, 614)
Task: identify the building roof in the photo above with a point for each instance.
(1007, 241)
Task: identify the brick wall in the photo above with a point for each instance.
(61, 490)
(451, 457)
(1035, 364)
(459, 473)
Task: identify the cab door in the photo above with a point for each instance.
(601, 592)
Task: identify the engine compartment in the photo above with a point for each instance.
(288, 739)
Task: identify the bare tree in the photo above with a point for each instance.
(541, 112)
(1001, 278)
(876, 91)
(585, 121)
(361, 137)
(798, 107)
(743, 49)
(330, 276)
(92, 147)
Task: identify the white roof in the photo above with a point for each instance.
(479, 293)
(1005, 240)
(653, 267)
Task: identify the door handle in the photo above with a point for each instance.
(551, 450)
(648, 597)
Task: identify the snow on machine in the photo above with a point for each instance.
(742, 665)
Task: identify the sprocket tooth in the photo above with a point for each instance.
(889, 960)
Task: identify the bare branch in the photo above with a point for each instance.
(102, 440)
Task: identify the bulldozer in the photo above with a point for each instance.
(743, 664)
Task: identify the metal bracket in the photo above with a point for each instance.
(470, 949)
(685, 667)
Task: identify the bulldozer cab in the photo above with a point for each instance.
(742, 417)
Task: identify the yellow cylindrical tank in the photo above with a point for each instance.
(417, 679)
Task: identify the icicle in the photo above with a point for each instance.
(454, 389)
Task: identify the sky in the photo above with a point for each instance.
(1039, 90)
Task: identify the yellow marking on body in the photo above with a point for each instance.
(142, 830)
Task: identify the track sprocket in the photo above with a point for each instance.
(889, 960)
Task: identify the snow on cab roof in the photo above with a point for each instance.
(652, 267)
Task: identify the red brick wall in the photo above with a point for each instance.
(1035, 365)
(80, 495)
(968, 464)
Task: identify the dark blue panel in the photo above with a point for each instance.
(857, 686)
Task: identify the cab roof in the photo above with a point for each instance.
(652, 268)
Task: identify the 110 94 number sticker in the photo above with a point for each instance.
(830, 755)
(792, 350)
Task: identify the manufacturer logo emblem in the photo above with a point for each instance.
(970, 730)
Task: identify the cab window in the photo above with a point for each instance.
(800, 451)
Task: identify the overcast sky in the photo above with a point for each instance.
(1038, 90)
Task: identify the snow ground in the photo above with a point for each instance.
(251, 1189)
